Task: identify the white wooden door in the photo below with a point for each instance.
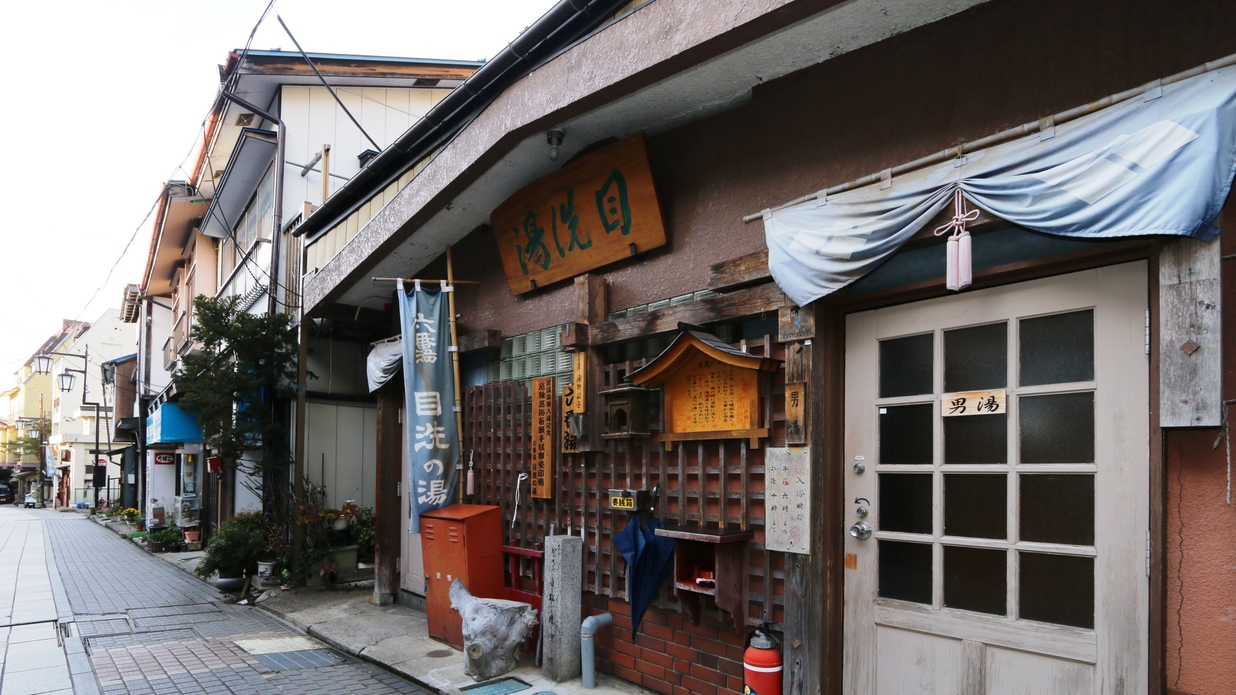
(1007, 548)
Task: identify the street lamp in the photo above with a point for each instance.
(42, 365)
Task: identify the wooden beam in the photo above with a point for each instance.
(574, 336)
(738, 272)
(591, 299)
(485, 340)
(725, 307)
(591, 308)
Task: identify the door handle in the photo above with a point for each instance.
(861, 530)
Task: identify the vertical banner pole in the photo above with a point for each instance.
(450, 280)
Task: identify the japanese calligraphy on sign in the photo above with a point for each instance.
(972, 403)
(573, 395)
(432, 436)
(787, 500)
(796, 413)
(597, 210)
(541, 443)
(710, 395)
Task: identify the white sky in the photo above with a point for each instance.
(103, 101)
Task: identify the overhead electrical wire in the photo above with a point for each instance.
(178, 167)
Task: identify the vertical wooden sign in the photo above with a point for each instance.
(787, 500)
(796, 413)
(574, 398)
(541, 443)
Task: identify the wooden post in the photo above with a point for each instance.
(592, 308)
(389, 475)
(450, 302)
(814, 583)
(298, 447)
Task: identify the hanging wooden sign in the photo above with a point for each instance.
(541, 444)
(796, 413)
(795, 323)
(597, 210)
(973, 403)
(573, 401)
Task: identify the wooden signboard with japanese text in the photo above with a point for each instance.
(973, 403)
(796, 413)
(710, 396)
(573, 399)
(787, 500)
(541, 444)
(596, 211)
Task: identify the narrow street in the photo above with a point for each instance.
(87, 612)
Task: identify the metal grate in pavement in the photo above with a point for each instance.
(290, 653)
(103, 626)
(290, 661)
(498, 687)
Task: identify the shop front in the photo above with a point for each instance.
(879, 400)
(174, 466)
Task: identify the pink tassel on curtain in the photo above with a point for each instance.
(959, 271)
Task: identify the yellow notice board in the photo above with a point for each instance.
(597, 210)
(541, 444)
(711, 396)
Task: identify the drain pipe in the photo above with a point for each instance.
(587, 652)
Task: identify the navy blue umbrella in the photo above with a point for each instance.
(650, 559)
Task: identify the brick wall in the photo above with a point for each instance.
(670, 655)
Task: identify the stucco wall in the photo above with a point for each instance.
(1201, 560)
(987, 69)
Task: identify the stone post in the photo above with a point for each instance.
(561, 609)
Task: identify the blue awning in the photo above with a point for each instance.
(171, 425)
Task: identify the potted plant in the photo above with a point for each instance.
(234, 550)
(164, 540)
(364, 534)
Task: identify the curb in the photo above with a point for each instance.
(313, 632)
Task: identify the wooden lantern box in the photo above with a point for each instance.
(626, 412)
(711, 390)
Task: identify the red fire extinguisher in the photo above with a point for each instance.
(761, 663)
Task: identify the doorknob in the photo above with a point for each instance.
(861, 530)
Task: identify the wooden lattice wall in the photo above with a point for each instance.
(708, 483)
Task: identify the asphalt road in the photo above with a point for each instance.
(84, 611)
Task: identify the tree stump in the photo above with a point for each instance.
(493, 629)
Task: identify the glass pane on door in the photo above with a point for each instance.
(905, 571)
(975, 579)
(976, 505)
(905, 366)
(976, 359)
(1057, 349)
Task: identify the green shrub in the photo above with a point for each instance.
(235, 548)
(364, 532)
(167, 535)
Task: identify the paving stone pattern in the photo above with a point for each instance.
(151, 628)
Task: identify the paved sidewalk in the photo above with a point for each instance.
(397, 638)
(151, 628)
(34, 655)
